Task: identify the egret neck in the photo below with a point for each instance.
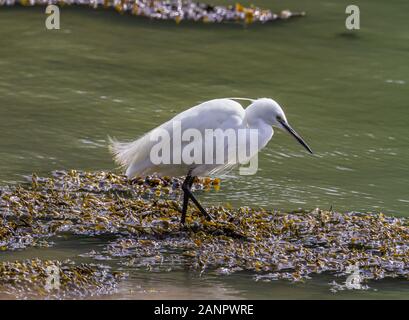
(255, 120)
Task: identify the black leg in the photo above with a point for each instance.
(185, 185)
(187, 193)
(192, 179)
(199, 206)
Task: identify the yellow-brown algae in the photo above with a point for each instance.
(48, 279)
(146, 221)
(184, 10)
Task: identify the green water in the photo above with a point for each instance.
(62, 92)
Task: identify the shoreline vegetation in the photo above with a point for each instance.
(142, 215)
(178, 11)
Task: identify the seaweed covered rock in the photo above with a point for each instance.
(49, 279)
(175, 10)
(278, 246)
(143, 215)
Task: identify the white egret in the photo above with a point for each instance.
(262, 115)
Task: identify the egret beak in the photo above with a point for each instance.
(295, 135)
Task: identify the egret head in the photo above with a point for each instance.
(272, 113)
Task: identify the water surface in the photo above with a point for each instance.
(62, 92)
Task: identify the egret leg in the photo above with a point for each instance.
(186, 184)
(187, 190)
(199, 206)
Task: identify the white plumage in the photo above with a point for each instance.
(261, 114)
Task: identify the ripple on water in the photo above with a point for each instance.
(395, 81)
(344, 168)
(87, 143)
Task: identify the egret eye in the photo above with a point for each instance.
(279, 118)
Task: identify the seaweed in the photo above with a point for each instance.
(143, 214)
(174, 10)
(35, 279)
